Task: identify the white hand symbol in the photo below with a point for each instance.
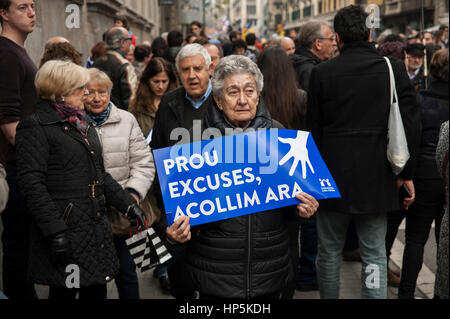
(298, 151)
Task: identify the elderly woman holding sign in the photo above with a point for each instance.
(246, 256)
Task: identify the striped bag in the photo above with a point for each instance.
(147, 249)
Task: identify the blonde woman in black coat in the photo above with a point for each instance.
(61, 173)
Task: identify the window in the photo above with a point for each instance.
(278, 18)
(307, 11)
(251, 9)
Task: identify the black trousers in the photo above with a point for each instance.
(16, 242)
(97, 292)
(427, 207)
(180, 284)
(394, 219)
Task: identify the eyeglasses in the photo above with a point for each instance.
(91, 94)
(329, 39)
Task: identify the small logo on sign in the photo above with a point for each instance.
(325, 185)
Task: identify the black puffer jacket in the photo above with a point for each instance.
(304, 61)
(246, 256)
(56, 168)
(433, 104)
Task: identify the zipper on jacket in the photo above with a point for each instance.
(85, 137)
(100, 135)
(249, 244)
(67, 212)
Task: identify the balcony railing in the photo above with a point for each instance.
(392, 7)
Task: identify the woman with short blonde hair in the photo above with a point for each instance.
(56, 79)
(62, 176)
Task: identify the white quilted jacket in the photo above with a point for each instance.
(126, 154)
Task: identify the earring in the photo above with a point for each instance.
(62, 98)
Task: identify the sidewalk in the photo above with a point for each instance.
(350, 277)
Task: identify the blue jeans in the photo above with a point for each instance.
(308, 251)
(371, 230)
(126, 280)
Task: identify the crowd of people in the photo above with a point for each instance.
(77, 174)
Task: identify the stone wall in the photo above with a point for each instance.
(95, 18)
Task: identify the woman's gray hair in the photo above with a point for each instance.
(192, 50)
(309, 32)
(99, 77)
(231, 65)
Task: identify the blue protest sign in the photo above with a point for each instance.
(241, 174)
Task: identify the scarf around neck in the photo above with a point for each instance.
(100, 119)
(72, 114)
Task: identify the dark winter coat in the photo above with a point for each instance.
(170, 116)
(57, 167)
(171, 54)
(418, 82)
(433, 104)
(348, 109)
(246, 256)
(122, 74)
(304, 61)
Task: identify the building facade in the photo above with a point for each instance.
(83, 22)
(398, 15)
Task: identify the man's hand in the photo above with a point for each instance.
(407, 201)
(9, 131)
(308, 205)
(180, 231)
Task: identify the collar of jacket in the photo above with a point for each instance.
(364, 45)
(215, 118)
(437, 89)
(114, 116)
(118, 55)
(178, 108)
(145, 112)
(308, 54)
(46, 113)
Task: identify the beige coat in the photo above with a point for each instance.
(126, 154)
(3, 188)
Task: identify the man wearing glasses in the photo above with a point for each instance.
(416, 53)
(119, 70)
(316, 43)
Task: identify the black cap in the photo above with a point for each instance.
(416, 49)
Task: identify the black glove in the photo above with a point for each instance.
(136, 216)
(59, 249)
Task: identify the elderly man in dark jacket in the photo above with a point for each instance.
(349, 103)
(119, 70)
(416, 59)
(176, 114)
(316, 44)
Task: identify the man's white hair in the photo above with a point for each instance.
(192, 50)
